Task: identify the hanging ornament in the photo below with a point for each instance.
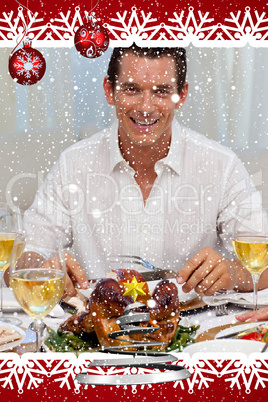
(27, 66)
(91, 39)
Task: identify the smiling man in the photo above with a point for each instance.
(146, 95)
(146, 185)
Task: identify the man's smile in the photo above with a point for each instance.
(145, 123)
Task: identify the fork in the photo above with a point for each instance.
(133, 259)
(221, 310)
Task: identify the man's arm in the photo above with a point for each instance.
(208, 272)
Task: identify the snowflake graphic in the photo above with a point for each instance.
(237, 370)
(17, 373)
(13, 25)
(191, 27)
(26, 64)
(246, 372)
(250, 27)
(204, 372)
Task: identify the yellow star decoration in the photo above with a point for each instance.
(134, 288)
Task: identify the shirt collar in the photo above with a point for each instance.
(115, 153)
(172, 160)
(174, 157)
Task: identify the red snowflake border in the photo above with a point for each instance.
(31, 371)
(183, 27)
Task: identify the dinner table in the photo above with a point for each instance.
(24, 372)
(197, 310)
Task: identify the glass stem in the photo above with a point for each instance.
(255, 279)
(1, 296)
(38, 326)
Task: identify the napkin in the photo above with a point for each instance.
(232, 297)
(10, 304)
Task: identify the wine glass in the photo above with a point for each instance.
(37, 277)
(10, 226)
(250, 243)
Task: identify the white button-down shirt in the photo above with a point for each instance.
(93, 200)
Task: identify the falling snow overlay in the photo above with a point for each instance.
(186, 26)
(30, 371)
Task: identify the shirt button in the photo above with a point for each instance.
(144, 228)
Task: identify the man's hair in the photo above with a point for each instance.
(177, 53)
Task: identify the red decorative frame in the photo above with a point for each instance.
(49, 377)
(54, 374)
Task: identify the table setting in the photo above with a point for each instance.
(154, 320)
(195, 310)
(201, 345)
(203, 316)
(240, 299)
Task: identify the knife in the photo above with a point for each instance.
(238, 334)
(154, 275)
(159, 274)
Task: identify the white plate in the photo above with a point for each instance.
(225, 346)
(10, 345)
(241, 328)
(10, 303)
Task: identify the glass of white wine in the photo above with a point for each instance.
(37, 277)
(10, 226)
(250, 243)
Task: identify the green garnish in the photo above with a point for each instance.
(68, 342)
(265, 336)
(182, 337)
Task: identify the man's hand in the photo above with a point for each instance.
(75, 275)
(208, 272)
(259, 315)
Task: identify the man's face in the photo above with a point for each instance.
(145, 98)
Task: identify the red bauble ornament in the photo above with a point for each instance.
(91, 39)
(27, 65)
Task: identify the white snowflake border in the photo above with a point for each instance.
(184, 27)
(30, 370)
